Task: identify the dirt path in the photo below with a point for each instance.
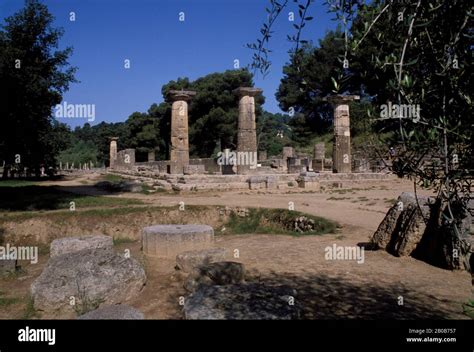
(326, 288)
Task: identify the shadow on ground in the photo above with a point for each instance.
(323, 297)
(29, 197)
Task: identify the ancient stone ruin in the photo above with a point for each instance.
(251, 169)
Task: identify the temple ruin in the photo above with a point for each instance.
(255, 169)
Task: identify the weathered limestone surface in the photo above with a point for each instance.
(92, 276)
(242, 301)
(407, 230)
(115, 312)
(263, 182)
(319, 156)
(74, 244)
(342, 132)
(167, 241)
(188, 261)
(151, 156)
(287, 152)
(179, 154)
(309, 180)
(218, 273)
(125, 159)
(194, 169)
(113, 151)
(246, 134)
(403, 226)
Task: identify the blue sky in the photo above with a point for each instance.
(161, 48)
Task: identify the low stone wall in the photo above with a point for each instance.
(210, 164)
(168, 166)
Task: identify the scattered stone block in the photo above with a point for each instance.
(402, 228)
(263, 182)
(74, 244)
(167, 241)
(219, 273)
(93, 277)
(309, 180)
(190, 260)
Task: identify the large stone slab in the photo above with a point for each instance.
(404, 225)
(242, 301)
(167, 241)
(92, 277)
(219, 273)
(115, 312)
(75, 244)
(188, 261)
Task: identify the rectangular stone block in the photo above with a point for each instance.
(194, 169)
(309, 182)
(167, 241)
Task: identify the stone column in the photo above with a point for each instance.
(286, 154)
(179, 153)
(319, 155)
(113, 151)
(246, 134)
(341, 155)
(151, 156)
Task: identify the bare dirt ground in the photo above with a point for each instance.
(326, 288)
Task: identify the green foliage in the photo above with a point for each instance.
(273, 133)
(51, 198)
(6, 301)
(33, 76)
(30, 312)
(275, 221)
(214, 110)
(80, 152)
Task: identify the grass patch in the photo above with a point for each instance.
(338, 198)
(17, 183)
(341, 191)
(97, 201)
(33, 198)
(122, 240)
(100, 213)
(113, 178)
(276, 221)
(147, 189)
(7, 301)
(468, 308)
(29, 312)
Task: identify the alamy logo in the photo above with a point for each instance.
(237, 158)
(75, 111)
(19, 253)
(400, 111)
(345, 253)
(37, 335)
